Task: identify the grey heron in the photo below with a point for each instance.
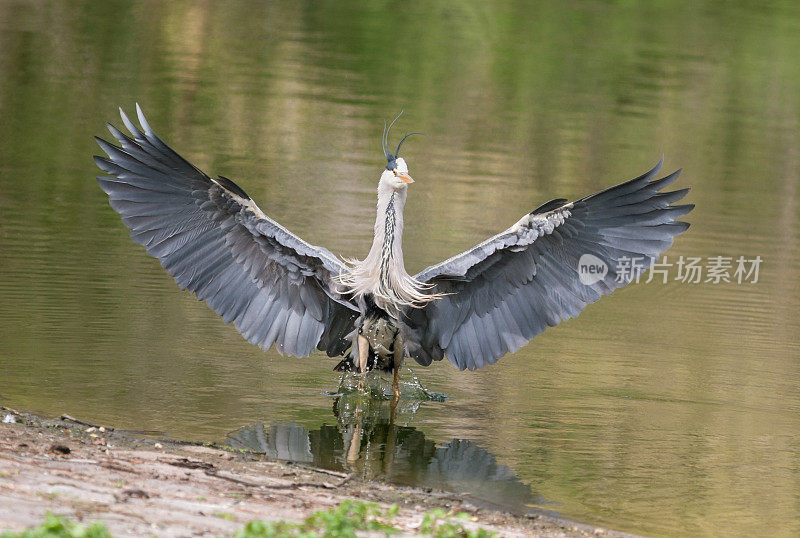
(472, 308)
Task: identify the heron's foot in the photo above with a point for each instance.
(396, 387)
(393, 409)
(362, 382)
(396, 382)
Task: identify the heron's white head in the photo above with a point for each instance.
(397, 176)
(396, 173)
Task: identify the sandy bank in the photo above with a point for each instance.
(144, 487)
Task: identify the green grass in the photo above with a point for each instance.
(439, 523)
(224, 515)
(58, 527)
(351, 516)
(342, 521)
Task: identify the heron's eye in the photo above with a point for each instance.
(394, 171)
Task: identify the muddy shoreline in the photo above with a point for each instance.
(141, 486)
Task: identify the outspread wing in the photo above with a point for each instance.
(213, 239)
(511, 287)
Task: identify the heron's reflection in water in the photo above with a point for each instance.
(368, 442)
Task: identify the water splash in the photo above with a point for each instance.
(377, 387)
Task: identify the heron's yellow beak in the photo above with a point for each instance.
(405, 178)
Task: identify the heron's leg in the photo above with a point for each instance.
(396, 383)
(363, 354)
(398, 362)
(355, 441)
(355, 445)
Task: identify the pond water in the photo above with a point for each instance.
(666, 408)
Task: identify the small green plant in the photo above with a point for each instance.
(439, 524)
(271, 529)
(58, 527)
(340, 522)
(224, 515)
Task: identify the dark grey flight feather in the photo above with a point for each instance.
(511, 287)
(212, 238)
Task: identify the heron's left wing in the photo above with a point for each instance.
(215, 241)
(511, 287)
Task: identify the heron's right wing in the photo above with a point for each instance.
(506, 290)
(215, 241)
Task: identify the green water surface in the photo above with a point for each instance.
(666, 409)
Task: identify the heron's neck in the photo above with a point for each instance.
(386, 251)
(382, 273)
